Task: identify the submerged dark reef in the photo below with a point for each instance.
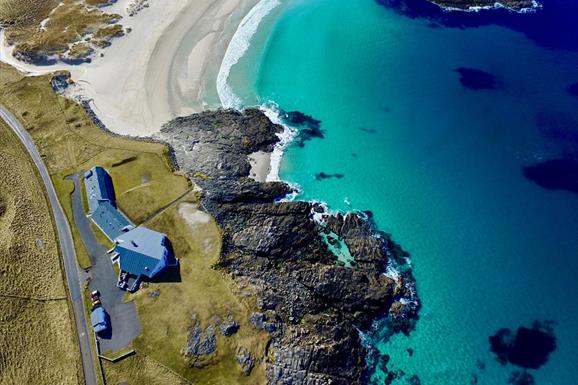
(313, 307)
(551, 26)
(527, 348)
(475, 79)
(573, 89)
(368, 130)
(521, 377)
(555, 174)
(322, 175)
(308, 127)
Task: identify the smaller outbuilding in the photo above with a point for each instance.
(99, 320)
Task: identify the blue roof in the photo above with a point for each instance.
(144, 251)
(99, 319)
(99, 187)
(102, 204)
(141, 251)
(110, 220)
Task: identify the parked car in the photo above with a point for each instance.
(95, 295)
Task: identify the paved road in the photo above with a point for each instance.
(66, 247)
(125, 326)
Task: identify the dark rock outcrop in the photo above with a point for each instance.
(201, 344)
(312, 307)
(229, 327)
(245, 361)
(471, 4)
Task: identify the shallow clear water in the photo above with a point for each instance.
(440, 165)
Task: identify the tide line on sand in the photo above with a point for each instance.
(157, 71)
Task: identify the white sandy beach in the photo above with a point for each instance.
(260, 165)
(161, 69)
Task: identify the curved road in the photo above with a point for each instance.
(66, 248)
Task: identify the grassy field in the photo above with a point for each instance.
(69, 142)
(148, 190)
(36, 331)
(202, 291)
(142, 370)
(70, 28)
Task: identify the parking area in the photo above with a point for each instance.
(124, 322)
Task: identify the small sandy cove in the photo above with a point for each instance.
(159, 70)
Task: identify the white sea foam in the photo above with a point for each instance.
(496, 5)
(391, 271)
(285, 138)
(237, 47)
(319, 217)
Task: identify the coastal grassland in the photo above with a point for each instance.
(199, 291)
(148, 190)
(38, 346)
(145, 181)
(43, 29)
(142, 370)
(25, 12)
(36, 330)
(29, 260)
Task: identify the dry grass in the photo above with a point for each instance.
(203, 291)
(36, 332)
(142, 370)
(67, 23)
(29, 259)
(146, 188)
(69, 143)
(22, 13)
(38, 346)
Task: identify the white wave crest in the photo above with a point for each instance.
(238, 45)
(285, 138)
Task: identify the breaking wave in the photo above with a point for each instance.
(237, 47)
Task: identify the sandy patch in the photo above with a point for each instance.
(260, 165)
(193, 216)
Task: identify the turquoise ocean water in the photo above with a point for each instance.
(441, 167)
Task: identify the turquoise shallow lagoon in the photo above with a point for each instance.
(440, 165)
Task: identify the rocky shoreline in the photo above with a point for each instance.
(312, 305)
(475, 5)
